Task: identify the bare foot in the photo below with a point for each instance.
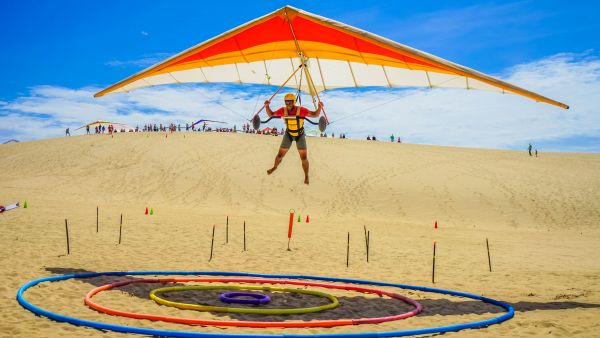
(270, 171)
(306, 180)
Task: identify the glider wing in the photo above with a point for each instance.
(268, 49)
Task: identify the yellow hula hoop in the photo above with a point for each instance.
(334, 301)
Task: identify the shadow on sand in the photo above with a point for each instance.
(350, 307)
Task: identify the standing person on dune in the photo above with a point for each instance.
(294, 121)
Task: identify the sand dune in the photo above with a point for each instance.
(540, 215)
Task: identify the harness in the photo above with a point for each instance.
(294, 124)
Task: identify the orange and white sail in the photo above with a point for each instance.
(268, 49)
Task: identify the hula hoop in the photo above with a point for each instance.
(334, 301)
(241, 323)
(234, 298)
(510, 312)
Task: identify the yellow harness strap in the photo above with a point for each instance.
(295, 126)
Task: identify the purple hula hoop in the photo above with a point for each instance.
(232, 297)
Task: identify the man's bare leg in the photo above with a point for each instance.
(304, 158)
(278, 159)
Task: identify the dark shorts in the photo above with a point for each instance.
(287, 141)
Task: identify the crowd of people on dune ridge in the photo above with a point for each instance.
(204, 127)
(246, 128)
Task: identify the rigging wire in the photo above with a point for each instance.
(268, 62)
(298, 95)
(389, 101)
(370, 108)
(211, 100)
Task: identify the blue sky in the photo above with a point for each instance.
(57, 53)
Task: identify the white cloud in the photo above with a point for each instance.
(144, 33)
(144, 62)
(432, 116)
(485, 119)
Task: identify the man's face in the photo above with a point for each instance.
(289, 103)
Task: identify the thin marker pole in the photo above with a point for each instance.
(212, 241)
(348, 251)
(67, 230)
(244, 235)
(120, 227)
(96, 218)
(290, 228)
(368, 243)
(227, 230)
(366, 239)
(488, 251)
(433, 271)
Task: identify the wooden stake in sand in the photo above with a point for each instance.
(244, 235)
(366, 239)
(433, 271)
(96, 218)
(368, 243)
(348, 251)
(67, 230)
(120, 227)
(487, 244)
(212, 242)
(227, 231)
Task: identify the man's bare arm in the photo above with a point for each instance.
(268, 109)
(317, 112)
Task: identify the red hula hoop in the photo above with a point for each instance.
(256, 324)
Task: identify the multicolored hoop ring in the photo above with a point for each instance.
(153, 295)
(510, 312)
(252, 298)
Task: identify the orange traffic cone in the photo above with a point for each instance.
(146, 213)
(307, 219)
(435, 227)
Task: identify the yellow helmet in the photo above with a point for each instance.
(290, 97)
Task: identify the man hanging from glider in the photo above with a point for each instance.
(293, 117)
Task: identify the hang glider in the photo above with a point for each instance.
(331, 55)
(200, 121)
(99, 123)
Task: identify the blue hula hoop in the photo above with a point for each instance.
(510, 312)
(234, 298)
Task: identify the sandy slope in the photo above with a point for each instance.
(540, 215)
